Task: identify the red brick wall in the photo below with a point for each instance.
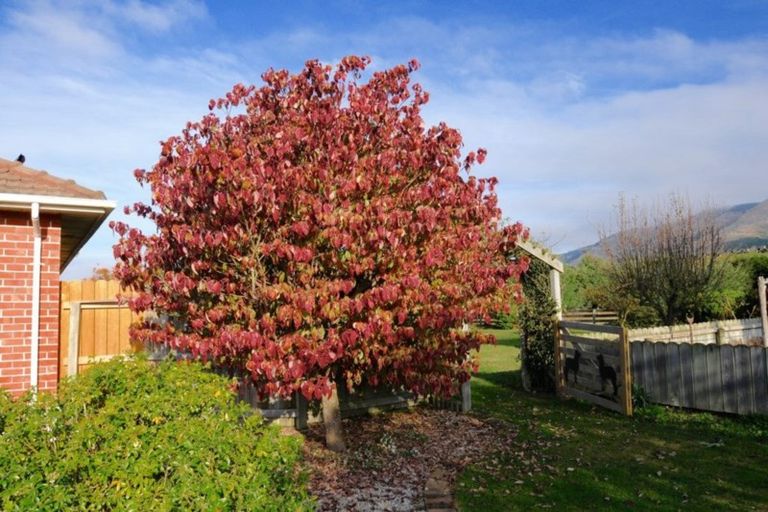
(16, 252)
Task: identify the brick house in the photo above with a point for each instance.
(44, 221)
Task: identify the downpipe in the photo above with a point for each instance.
(37, 253)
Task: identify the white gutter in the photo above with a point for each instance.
(55, 204)
(37, 253)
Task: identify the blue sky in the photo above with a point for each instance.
(576, 102)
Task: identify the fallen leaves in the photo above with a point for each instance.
(390, 457)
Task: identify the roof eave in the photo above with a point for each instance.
(99, 209)
(76, 250)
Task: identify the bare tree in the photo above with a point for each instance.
(665, 259)
(101, 273)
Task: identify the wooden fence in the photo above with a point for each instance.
(592, 364)
(92, 323)
(762, 292)
(721, 378)
(727, 332)
(591, 316)
(714, 366)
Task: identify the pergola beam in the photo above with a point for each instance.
(556, 268)
(541, 253)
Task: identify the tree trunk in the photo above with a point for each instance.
(334, 434)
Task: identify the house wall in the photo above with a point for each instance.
(16, 253)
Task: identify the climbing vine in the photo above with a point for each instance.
(537, 326)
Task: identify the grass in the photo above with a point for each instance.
(574, 456)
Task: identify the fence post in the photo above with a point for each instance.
(761, 291)
(554, 289)
(466, 397)
(626, 374)
(559, 384)
(720, 336)
(74, 338)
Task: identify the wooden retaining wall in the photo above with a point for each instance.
(295, 412)
(720, 378)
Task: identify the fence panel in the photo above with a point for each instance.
(672, 361)
(759, 371)
(744, 380)
(648, 374)
(714, 378)
(593, 316)
(686, 372)
(720, 378)
(728, 368)
(101, 328)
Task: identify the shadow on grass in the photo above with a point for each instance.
(596, 459)
(506, 379)
(505, 337)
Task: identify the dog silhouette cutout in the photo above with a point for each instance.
(607, 373)
(572, 366)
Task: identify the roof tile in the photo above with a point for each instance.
(16, 178)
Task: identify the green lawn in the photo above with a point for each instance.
(573, 456)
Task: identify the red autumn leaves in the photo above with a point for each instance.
(315, 231)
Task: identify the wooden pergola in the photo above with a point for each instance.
(555, 269)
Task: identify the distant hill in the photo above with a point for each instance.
(745, 226)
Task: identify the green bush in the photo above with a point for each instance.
(505, 320)
(128, 435)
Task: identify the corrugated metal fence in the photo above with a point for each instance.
(721, 378)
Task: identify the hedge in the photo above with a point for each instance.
(129, 435)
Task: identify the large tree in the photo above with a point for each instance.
(313, 233)
(665, 260)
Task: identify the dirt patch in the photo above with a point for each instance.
(391, 456)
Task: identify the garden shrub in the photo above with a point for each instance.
(504, 319)
(129, 435)
(738, 297)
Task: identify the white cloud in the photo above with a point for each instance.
(562, 170)
(564, 145)
(78, 103)
(43, 29)
(157, 18)
(569, 122)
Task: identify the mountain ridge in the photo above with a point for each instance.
(744, 226)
